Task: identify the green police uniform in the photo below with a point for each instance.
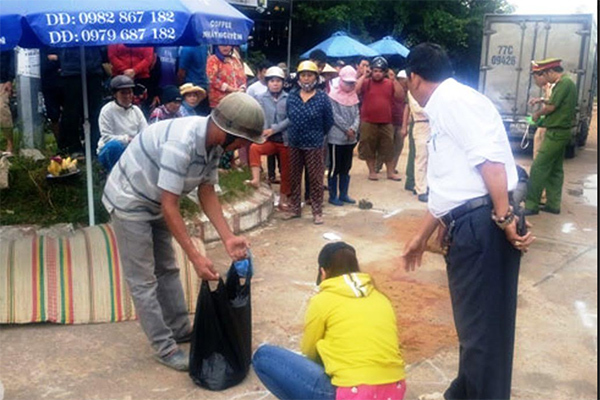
(547, 168)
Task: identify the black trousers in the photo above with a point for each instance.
(272, 160)
(483, 271)
(340, 159)
(72, 116)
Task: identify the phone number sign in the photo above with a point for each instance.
(64, 29)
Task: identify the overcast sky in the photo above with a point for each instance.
(555, 6)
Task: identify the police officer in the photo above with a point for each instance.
(470, 173)
(559, 111)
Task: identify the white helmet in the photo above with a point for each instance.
(275, 72)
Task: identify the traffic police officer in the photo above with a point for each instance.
(559, 111)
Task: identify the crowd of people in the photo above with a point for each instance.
(205, 116)
(315, 116)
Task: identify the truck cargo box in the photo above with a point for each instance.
(511, 42)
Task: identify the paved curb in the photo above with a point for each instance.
(240, 216)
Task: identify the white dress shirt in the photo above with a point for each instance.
(466, 130)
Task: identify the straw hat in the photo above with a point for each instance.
(190, 88)
(248, 70)
(328, 69)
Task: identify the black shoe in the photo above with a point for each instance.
(527, 212)
(424, 198)
(550, 210)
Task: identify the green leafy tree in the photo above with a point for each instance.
(456, 25)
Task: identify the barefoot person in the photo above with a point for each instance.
(165, 162)
(274, 104)
(471, 173)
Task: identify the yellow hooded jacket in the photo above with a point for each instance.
(351, 327)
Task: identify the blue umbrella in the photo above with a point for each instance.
(340, 45)
(69, 23)
(389, 47)
(80, 23)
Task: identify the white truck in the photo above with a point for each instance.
(511, 42)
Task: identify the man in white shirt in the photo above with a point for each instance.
(470, 173)
(163, 163)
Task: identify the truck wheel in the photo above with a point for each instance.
(582, 133)
(570, 150)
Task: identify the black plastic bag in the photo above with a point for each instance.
(221, 346)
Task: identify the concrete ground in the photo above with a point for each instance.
(556, 345)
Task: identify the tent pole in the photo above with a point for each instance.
(289, 47)
(88, 140)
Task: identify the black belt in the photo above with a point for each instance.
(466, 208)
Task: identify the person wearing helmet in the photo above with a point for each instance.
(377, 132)
(120, 121)
(158, 168)
(274, 104)
(309, 111)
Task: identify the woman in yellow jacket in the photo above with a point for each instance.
(350, 344)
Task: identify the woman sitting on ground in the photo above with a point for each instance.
(274, 104)
(350, 342)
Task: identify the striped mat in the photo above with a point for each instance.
(75, 279)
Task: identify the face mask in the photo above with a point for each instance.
(307, 87)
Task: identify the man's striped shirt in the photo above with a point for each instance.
(169, 155)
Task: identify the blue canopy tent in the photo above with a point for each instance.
(81, 23)
(340, 45)
(388, 46)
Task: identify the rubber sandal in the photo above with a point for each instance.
(289, 215)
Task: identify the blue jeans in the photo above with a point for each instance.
(110, 154)
(290, 376)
